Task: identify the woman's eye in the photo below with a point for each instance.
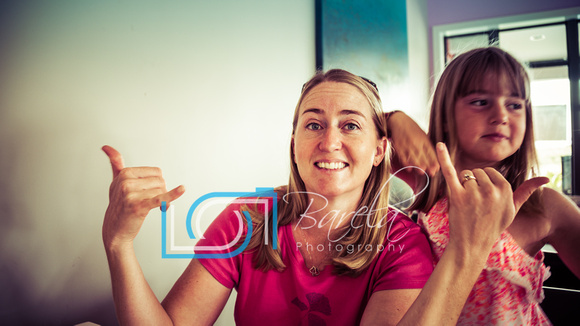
(351, 126)
(313, 126)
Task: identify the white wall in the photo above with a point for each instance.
(418, 62)
(203, 89)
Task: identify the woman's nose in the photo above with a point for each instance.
(331, 140)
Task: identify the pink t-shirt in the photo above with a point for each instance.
(294, 296)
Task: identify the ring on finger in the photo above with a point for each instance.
(467, 177)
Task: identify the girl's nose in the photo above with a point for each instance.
(331, 140)
(498, 114)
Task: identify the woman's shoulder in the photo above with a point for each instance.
(400, 227)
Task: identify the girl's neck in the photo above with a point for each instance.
(463, 165)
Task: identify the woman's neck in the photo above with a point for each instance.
(328, 213)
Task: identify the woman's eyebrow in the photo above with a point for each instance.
(347, 112)
(342, 112)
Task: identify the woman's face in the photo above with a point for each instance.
(336, 142)
(491, 124)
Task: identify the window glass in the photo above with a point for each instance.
(535, 44)
(459, 44)
(550, 92)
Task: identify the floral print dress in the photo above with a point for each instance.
(508, 290)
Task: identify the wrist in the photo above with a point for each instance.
(388, 119)
(468, 256)
(117, 246)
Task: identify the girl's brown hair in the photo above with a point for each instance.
(462, 76)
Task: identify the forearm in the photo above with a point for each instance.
(444, 295)
(135, 302)
(411, 149)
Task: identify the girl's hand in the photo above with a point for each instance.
(411, 145)
(133, 193)
(481, 204)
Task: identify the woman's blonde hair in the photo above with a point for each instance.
(375, 193)
(462, 76)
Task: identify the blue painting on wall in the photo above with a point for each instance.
(366, 37)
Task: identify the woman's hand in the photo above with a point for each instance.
(481, 207)
(481, 204)
(133, 193)
(411, 145)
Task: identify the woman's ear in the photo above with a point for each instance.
(292, 146)
(381, 150)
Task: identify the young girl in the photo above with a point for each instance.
(481, 110)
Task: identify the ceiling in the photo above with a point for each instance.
(532, 44)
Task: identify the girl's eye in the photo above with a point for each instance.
(515, 106)
(351, 126)
(313, 126)
(478, 102)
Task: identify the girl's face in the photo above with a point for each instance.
(491, 123)
(336, 143)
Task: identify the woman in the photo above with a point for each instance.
(339, 169)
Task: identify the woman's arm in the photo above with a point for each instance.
(479, 211)
(439, 302)
(565, 228)
(133, 193)
(197, 298)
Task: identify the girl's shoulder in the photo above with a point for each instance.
(534, 229)
(560, 210)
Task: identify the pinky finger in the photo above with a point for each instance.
(167, 197)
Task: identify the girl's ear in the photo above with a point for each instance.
(381, 150)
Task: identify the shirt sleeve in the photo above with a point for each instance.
(406, 261)
(221, 235)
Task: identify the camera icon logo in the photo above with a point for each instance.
(260, 197)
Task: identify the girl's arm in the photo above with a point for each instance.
(411, 147)
(479, 211)
(133, 193)
(565, 228)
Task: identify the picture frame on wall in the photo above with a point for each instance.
(367, 38)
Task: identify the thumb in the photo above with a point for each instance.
(116, 159)
(526, 189)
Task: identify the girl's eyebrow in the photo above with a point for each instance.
(484, 92)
